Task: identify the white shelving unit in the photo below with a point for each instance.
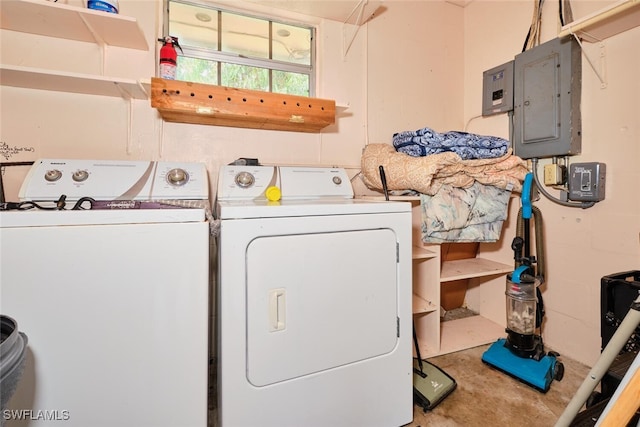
(484, 296)
(58, 20)
(427, 304)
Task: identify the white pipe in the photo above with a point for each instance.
(617, 341)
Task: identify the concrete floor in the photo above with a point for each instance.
(486, 397)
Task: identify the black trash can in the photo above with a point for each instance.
(13, 349)
(618, 291)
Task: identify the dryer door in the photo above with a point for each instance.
(319, 301)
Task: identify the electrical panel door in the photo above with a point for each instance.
(547, 85)
(497, 90)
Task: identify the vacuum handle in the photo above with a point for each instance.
(415, 342)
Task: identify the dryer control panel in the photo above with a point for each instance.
(295, 183)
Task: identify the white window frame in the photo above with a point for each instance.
(225, 57)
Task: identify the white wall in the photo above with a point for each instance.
(46, 124)
(581, 245)
(415, 68)
(416, 64)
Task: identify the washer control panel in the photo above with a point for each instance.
(48, 179)
(251, 182)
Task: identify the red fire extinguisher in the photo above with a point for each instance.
(168, 57)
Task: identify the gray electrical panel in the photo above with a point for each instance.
(547, 87)
(497, 89)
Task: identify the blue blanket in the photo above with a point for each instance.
(467, 145)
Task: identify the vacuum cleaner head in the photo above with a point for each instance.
(536, 373)
(430, 385)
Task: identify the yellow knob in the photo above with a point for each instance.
(273, 193)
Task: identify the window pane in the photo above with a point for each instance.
(291, 44)
(197, 70)
(194, 26)
(245, 36)
(245, 77)
(228, 48)
(290, 83)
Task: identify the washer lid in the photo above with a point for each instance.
(40, 218)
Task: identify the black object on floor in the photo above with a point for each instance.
(617, 293)
(589, 417)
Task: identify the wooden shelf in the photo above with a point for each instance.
(472, 267)
(614, 19)
(419, 253)
(466, 333)
(35, 78)
(196, 103)
(421, 305)
(58, 20)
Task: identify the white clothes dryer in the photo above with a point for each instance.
(313, 302)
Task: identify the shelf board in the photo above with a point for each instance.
(58, 20)
(472, 267)
(421, 305)
(461, 334)
(36, 78)
(197, 103)
(614, 19)
(419, 253)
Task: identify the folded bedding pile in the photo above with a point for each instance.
(427, 174)
(462, 200)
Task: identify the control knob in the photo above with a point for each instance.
(245, 179)
(177, 176)
(52, 175)
(80, 175)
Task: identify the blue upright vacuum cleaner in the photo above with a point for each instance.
(522, 355)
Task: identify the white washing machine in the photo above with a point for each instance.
(114, 301)
(314, 302)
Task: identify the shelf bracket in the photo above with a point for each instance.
(346, 44)
(602, 73)
(99, 41)
(129, 126)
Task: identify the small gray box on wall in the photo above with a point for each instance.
(547, 87)
(587, 181)
(497, 89)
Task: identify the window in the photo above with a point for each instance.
(236, 50)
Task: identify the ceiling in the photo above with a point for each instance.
(336, 10)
